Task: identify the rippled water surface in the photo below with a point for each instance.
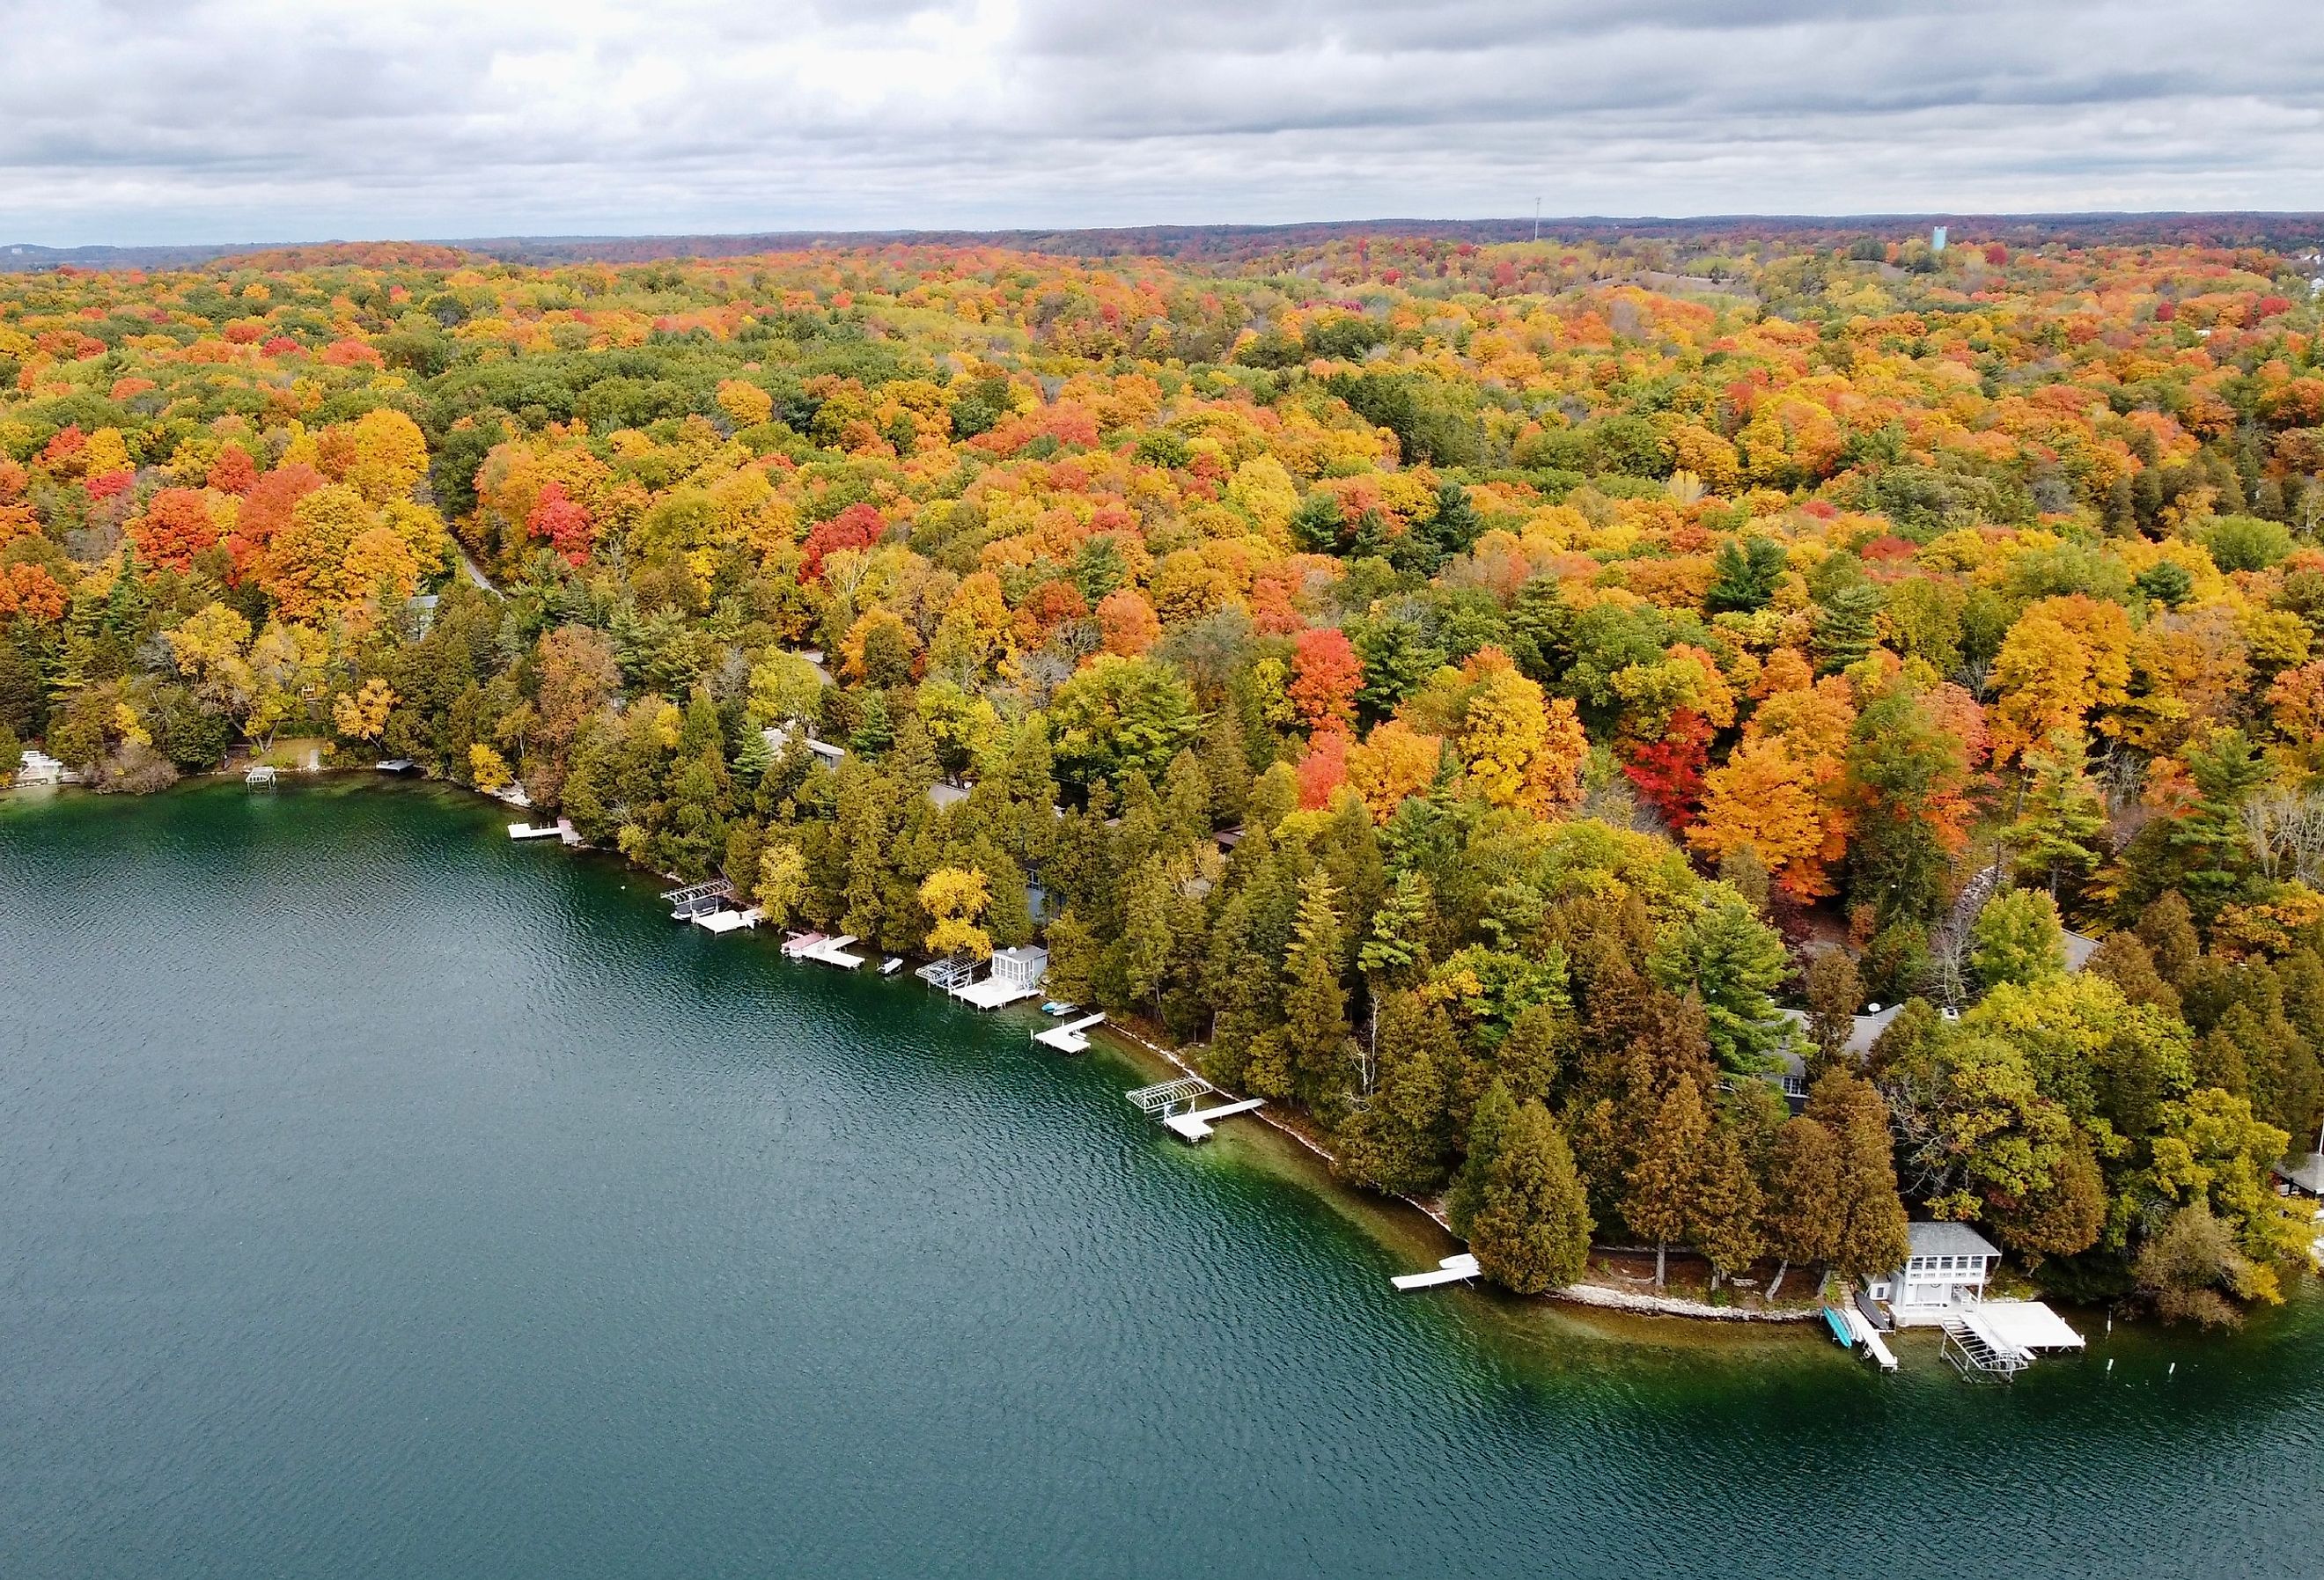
(381, 1199)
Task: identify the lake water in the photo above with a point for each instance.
(381, 1199)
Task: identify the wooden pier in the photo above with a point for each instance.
(1069, 1039)
(720, 922)
(1193, 1126)
(1453, 1269)
(1175, 1104)
(825, 951)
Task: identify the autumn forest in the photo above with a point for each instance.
(1515, 706)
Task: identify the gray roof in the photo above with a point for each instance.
(1932, 1239)
(2305, 1171)
(2078, 949)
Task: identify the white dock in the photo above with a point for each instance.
(727, 921)
(1453, 1269)
(534, 831)
(1069, 1039)
(826, 951)
(990, 993)
(1193, 1126)
(1868, 1338)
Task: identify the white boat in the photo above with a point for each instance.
(1059, 1008)
(891, 964)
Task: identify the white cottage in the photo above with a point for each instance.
(1944, 1274)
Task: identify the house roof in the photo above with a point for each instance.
(1032, 954)
(1933, 1238)
(941, 794)
(2304, 1170)
(2079, 951)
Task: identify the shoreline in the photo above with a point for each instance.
(1597, 1296)
(1133, 1045)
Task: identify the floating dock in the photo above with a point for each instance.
(727, 921)
(1193, 1126)
(534, 830)
(1453, 1269)
(1073, 1038)
(825, 951)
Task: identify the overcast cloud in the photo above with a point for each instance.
(152, 120)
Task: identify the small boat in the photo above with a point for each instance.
(1059, 1008)
(396, 766)
(891, 964)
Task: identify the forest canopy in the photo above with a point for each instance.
(1514, 705)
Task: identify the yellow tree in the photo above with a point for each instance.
(954, 898)
(381, 455)
(488, 769)
(1520, 750)
(211, 649)
(2064, 657)
(289, 664)
(1394, 762)
(361, 715)
(782, 882)
(746, 405)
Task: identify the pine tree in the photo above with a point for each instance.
(1724, 1212)
(1526, 1059)
(1872, 1237)
(1845, 628)
(2057, 833)
(1489, 1129)
(1400, 1140)
(1802, 1220)
(2167, 928)
(1835, 993)
(1531, 1228)
(1315, 1003)
(1662, 1181)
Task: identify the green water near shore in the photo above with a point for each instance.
(379, 1198)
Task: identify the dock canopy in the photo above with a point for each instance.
(2028, 1325)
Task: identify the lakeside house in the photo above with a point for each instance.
(1944, 1274)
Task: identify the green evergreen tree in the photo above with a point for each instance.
(1400, 1139)
(1663, 1181)
(1733, 961)
(1531, 1228)
(1835, 995)
(1845, 625)
(1803, 1209)
(1871, 1238)
(1724, 1212)
(2167, 928)
(2058, 831)
(1315, 1003)
(1489, 1128)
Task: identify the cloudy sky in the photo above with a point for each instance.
(152, 120)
